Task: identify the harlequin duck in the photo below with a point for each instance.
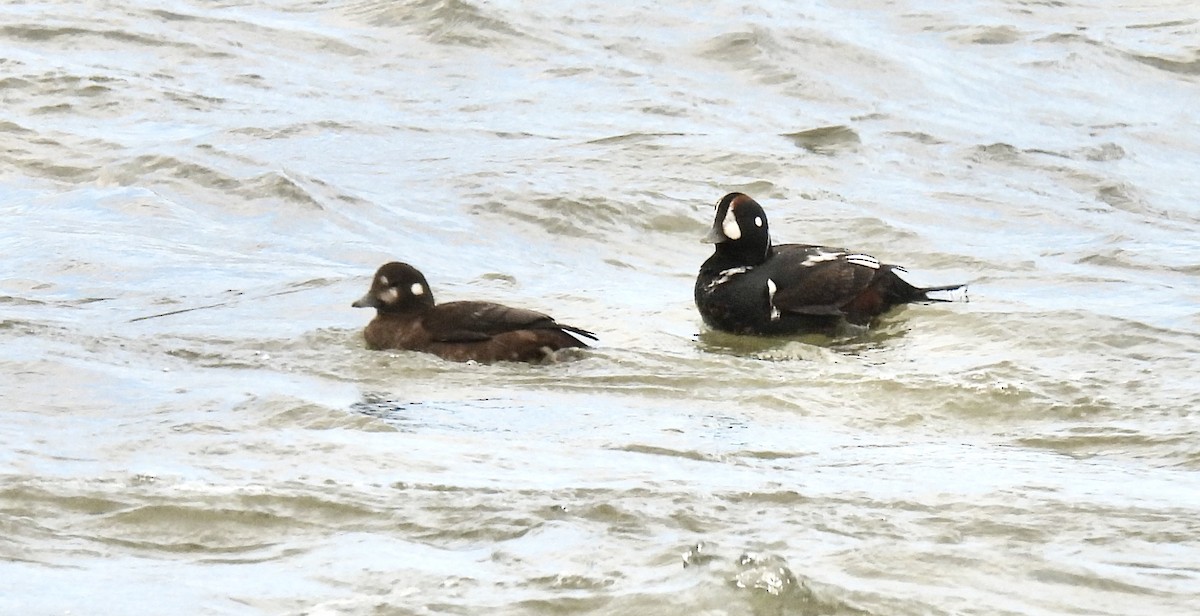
(406, 318)
(749, 286)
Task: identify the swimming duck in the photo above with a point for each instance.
(407, 318)
(749, 286)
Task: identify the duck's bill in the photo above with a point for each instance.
(715, 236)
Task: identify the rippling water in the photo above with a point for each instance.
(236, 171)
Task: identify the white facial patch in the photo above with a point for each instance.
(863, 260)
(390, 296)
(417, 289)
(383, 280)
(758, 222)
(771, 299)
(821, 256)
(729, 226)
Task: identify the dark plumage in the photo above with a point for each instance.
(749, 286)
(406, 318)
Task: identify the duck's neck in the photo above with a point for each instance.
(739, 254)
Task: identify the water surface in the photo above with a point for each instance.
(242, 169)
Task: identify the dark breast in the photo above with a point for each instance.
(727, 303)
(739, 303)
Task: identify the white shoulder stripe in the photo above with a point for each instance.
(821, 256)
(724, 275)
(863, 260)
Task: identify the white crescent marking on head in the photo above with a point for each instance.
(390, 296)
(730, 226)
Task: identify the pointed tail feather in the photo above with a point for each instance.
(948, 293)
(575, 330)
(905, 290)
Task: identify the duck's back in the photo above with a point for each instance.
(800, 288)
(474, 331)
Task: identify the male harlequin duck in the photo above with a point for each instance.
(749, 286)
(406, 318)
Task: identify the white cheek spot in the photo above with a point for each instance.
(771, 299)
(730, 226)
(758, 221)
(863, 260)
(417, 289)
(390, 296)
(383, 281)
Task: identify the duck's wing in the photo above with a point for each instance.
(472, 321)
(817, 279)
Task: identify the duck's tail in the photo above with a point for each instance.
(948, 293)
(904, 291)
(576, 330)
